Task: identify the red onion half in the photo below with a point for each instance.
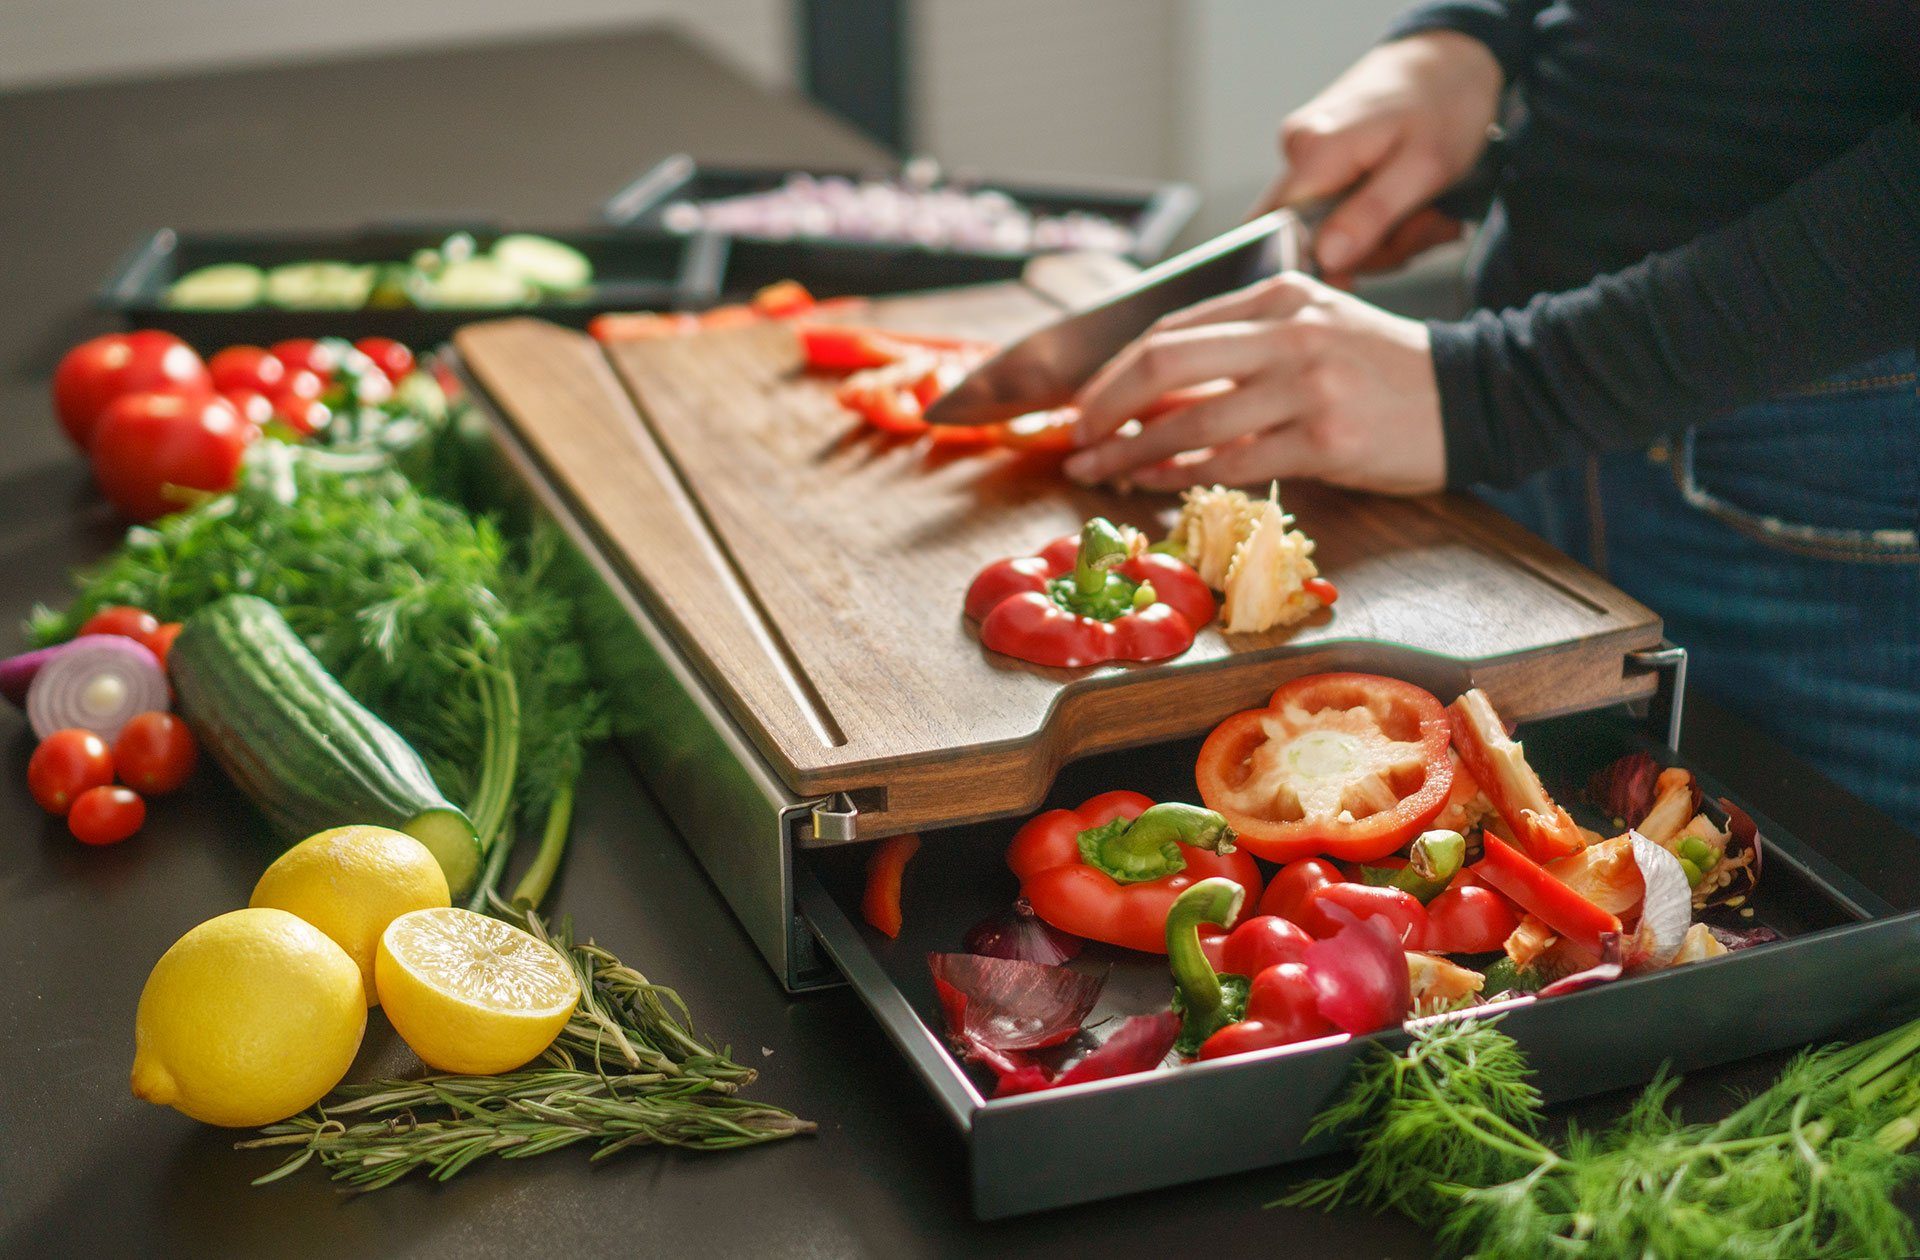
(99, 683)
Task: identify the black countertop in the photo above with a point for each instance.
(534, 134)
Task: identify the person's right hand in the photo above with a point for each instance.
(1403, 123)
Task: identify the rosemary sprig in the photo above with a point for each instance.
(628, 1070)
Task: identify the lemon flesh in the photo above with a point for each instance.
(471, 994)
(350, 882)
(249, 1018)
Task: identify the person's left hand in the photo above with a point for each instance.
(1317, 383)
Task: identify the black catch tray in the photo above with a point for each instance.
(1845, 957)
(633, 270)
(1155, 213)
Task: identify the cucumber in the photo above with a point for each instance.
(320, 286)
(474, 284)
(543, 262)
(302, 749)
(220, 287)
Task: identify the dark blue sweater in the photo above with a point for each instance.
(1703, 202)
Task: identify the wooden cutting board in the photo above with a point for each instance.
(814, 571)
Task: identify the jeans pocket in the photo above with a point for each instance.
(1830, 471)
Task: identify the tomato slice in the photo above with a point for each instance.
(1348, 765)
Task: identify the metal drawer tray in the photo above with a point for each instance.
(1844, 959)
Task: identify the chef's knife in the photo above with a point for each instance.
(1046, 368)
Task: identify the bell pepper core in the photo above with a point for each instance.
(1206, 1002)
(1148, 847)
(1093, 589)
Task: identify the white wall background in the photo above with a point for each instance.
(1140, 88)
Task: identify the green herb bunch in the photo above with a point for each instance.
(1450, 1133)
(628, 1070)
(451, 632)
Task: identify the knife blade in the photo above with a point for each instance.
(1046, 368)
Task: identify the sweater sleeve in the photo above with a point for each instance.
(1804, 285)
(1504, 26)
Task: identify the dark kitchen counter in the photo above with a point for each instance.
(536, 134)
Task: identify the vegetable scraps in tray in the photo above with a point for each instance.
(1422, 869)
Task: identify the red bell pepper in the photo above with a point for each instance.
(1089, 599)
(1351, 766)
(1534, 889)
(1499, 764)
(1112, 869)
(886, 869)
(836, 348)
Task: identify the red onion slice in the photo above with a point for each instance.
(1608, 968)
(1361, 973)
(99, 683)
(1005, 1004)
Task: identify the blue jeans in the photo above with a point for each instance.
(1781, 544)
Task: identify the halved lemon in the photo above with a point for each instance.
(469, 993)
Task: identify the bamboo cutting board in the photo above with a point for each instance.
(814, 571)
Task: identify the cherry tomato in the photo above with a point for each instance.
(1401, 909)
(304, 354)
(299, 383)
(1469, 919)
(1263, 941)
(1283, 1006)
(106, 815)
(152, 451)
(65, 765)
(246, 368)
(255, 407)
(392, 358)
(160, 642)
(94, 373)
(305, 416)
(122, 619)
(155, 753)
(1294, 886)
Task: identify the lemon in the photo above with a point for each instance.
(249, 1018)
(350, 883)
(472, 994)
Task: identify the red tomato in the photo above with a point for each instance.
(1294, 886)
(1401, 909)
(67, 764)
(1263, 941)
(1469, 919)
(123, 619)
(96, 372)
(392, 358)
(106, 815)
(246, 368)
(255, 407)
(160, 643)
(1283, 1006)
(305, 416)
(304, 354)
(153, 450)
(299, 383)
(155, 753)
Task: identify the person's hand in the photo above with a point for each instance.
(1293, 378)
(1404, 122)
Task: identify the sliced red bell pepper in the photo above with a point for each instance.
(783, 299)
(1499, 764)
(1534, 889)
(1111, 869)
(1089, 599)
(840, 348)
(1352, 766)
(886, 870)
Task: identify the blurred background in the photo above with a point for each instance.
(1157, 89)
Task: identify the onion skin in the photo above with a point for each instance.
(1020, 934)
(18, 672)
(55, 697)
(1625, 789)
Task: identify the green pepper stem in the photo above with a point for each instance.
(1148, 847)
(1215, 900)
(1438, 855)
(1102, 547)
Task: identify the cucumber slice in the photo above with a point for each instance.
(320, 286)
(220, 287)
(544, 262)
(477, 282)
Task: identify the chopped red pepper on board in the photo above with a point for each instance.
(886, 871)
(1089, 599)
(1352, 766)
(1112, 869)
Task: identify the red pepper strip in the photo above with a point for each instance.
(641, 325)
(1065, 607)
(1499, 765)
(839, 348)
(1085, 899)
(1535, 890)
(880, 905)
(783, 299)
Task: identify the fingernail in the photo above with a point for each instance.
(1081, 468)
(1334, 249)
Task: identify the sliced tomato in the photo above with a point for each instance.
(1347, 765)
